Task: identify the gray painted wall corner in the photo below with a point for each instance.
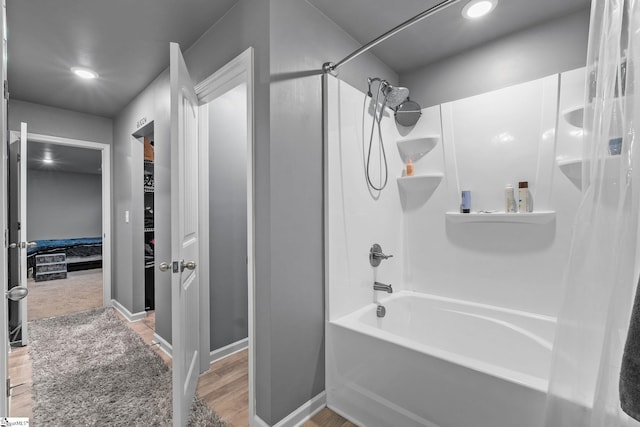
(301, 40)
(128, 196)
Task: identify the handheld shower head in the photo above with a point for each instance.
(370, 81)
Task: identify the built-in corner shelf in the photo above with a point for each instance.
(542, 217)
(415, 149)
(574, 116)
(423, 184)
(572, 169)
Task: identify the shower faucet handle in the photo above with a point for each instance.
(376, 255)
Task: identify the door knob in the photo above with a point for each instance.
(31, 244)
(13, 245)
(17, 293)
(164, 266)
(191, 265)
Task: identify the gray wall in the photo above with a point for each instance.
(128, 238)
(291, 365)
(228, 297)
(52, 121)
(63, 205)
(552, 47)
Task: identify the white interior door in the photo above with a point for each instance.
(18, 235)
(184, 237)
(4, 319)
(22, 233)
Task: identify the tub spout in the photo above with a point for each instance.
(377, 286)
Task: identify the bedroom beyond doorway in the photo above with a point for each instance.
(67, 199)
(64, 216)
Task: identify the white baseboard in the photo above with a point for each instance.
(164, 345)
(301, 415)
(228, 350)
(131, 317)
(257, 422)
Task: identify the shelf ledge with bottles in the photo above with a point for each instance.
(541, 217)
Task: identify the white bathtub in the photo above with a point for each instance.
(439, 362)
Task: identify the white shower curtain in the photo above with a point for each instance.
(602, 271)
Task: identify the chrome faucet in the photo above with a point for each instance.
(377, 286)
(376, 256)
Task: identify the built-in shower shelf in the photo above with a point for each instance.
(542, 217)
(424, 184)
(415, 149)
(572, 169)
(574, 116)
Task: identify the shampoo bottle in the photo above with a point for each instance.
(409, 167)
(524, 198)
(509, 199)
(465, 205)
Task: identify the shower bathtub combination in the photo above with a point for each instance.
(434, 361)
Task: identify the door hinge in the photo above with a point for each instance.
(19, 157)
(8, 387)
(6, 89)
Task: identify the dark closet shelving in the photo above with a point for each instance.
(149, 220)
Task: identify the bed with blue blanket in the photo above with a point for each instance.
(82, 253)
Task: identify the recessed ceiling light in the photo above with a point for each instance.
(84, 73)
(478, 8)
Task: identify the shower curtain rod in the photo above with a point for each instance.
(328, 67)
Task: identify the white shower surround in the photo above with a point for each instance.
(510, 265)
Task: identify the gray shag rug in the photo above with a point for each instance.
(90, 369)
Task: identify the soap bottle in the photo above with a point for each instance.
(525, 203)
(509, 199)
(409, 167)
(465, 206)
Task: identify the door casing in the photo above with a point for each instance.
(105, 149)
(237, 71)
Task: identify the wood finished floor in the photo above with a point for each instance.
(224, 387)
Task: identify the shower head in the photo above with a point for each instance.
(393, 96)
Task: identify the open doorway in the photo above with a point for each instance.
(227, 273)
(145, 136)
(64, 213)
(67, 195)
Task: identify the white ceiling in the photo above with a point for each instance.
(126, 42)
(440, 35)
